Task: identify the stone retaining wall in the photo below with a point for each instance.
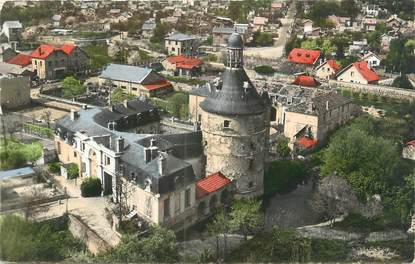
(81, 230)
(386, 91)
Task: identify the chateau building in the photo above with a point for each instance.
(175, 179)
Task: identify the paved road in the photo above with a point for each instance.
(277, 51)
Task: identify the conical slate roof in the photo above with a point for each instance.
(235, 41)
(233, 98)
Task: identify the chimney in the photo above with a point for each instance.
(327, 105)
(119, 144)
(85, 106)
(111, 125)
(74, 114)
(162, 164)
(147, 155)
(151, 152)
(125, 103)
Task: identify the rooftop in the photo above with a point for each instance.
(211, 184)
(179, 37)
(128, 73)
(304, 56)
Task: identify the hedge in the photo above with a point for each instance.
(91, 187)
(264, 69)
(38, 130)
(54, 167)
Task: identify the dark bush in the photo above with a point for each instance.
(264, 69)
(54, 167)
(91, 187)
(73, 171)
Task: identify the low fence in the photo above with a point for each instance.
(378, 90)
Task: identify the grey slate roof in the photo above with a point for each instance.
(179, 37)
(235, 41)
(232, 99)
(126, 73)
(202, 90)
(177, 171)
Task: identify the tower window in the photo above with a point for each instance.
(226, 124)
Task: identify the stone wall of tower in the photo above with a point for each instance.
(239, 151)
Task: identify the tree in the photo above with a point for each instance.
(402, 82)
(220, 226)
(334, 198)
(349, 8)
(72, 87)
(350, 154)
(118, 96)
(177, 102)
(400, 57)
(246, 216)
(160, 246)
(160, 33)
(287, 245)
(32, 152)
(283, 151)
(91, 187)
(72, 171)
(263, 39)
(31, 200)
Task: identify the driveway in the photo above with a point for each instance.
(277, 51)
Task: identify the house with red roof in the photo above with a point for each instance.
(358, 72)
(307, 81)
(183, 66)
(327, 69)
(134, 80)
(20, 59)
(304, 56)
(211, 192)
(52, 62)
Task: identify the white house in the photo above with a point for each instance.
(372, 59)
(358, 72)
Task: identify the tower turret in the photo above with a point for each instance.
(234, 126)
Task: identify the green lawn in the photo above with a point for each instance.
(99, 55)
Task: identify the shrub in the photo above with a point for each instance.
(283, 177)
(264, 69)
(54, 167)
(73, 171)
(91, 187)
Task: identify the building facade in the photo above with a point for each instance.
(134, 80)
(181, 44)
(54, 63)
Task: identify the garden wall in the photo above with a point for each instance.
(82, 231)
(392, 92)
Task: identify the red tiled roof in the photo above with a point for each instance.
(185, 62)
(333, 64)
(307, 142)
(412, 143)
(304, 56)
(305, 80)
(158, 85)
(20, 59)
(211, 184)
(44, 50)
(365, 71)
(67, 48)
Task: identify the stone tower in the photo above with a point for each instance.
(235, 125)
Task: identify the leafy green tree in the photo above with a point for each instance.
(160, 32)
(91, 187)
(160, 246)
(349, 8)
(289, 246)
(400, 57)
(32, 152)
(402, 82)
(31, 241)
(283, 151)
(118, 96)
(350, 154)
(220, 226)
(72, 87)
(178, 103)
(246, 215)
(263, 39)
(54, 167)
(72, 171)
